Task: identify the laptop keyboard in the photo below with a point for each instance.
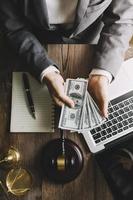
(120, 118)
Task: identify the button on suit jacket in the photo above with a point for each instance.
(106, 23)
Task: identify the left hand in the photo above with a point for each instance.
(98, 88)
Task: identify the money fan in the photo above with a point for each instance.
(85, 115)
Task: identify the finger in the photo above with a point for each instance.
(57, 101)
(63, 100)
(104, 108)
(67, 100)
(102, 103)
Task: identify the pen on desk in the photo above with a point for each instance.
(28, 95)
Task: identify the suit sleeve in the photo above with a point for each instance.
(115, 36)
(17, 32)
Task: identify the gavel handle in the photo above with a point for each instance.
(62, 141)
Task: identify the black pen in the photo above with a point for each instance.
(28, 95)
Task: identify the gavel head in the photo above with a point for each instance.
(62, 162)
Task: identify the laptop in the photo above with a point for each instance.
(118, 127)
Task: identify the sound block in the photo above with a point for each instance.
(62, 168)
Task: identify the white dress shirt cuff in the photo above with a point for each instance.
(103, 73)
(49, 69)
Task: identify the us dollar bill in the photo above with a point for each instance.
(72, 118)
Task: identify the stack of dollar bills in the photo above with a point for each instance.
(85, 115)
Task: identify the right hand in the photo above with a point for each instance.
(55, 84)
(98, 88)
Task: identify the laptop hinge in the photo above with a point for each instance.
(119, 141)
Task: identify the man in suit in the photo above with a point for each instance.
(106, 23)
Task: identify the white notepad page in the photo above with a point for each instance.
(21, 119)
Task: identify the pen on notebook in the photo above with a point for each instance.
(28, 95)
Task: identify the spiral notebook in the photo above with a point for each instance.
(21, 119)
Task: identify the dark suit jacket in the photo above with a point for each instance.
(24, 21)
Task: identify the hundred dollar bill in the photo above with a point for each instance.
(70, 118)
(96, 112)
(91, 116)
(86, 118)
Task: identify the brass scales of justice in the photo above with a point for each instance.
(18, 181)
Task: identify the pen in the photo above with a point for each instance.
(28, 95)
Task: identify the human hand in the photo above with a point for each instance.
(98, 88)
(55, 84)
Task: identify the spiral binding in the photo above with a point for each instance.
(53, 116)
